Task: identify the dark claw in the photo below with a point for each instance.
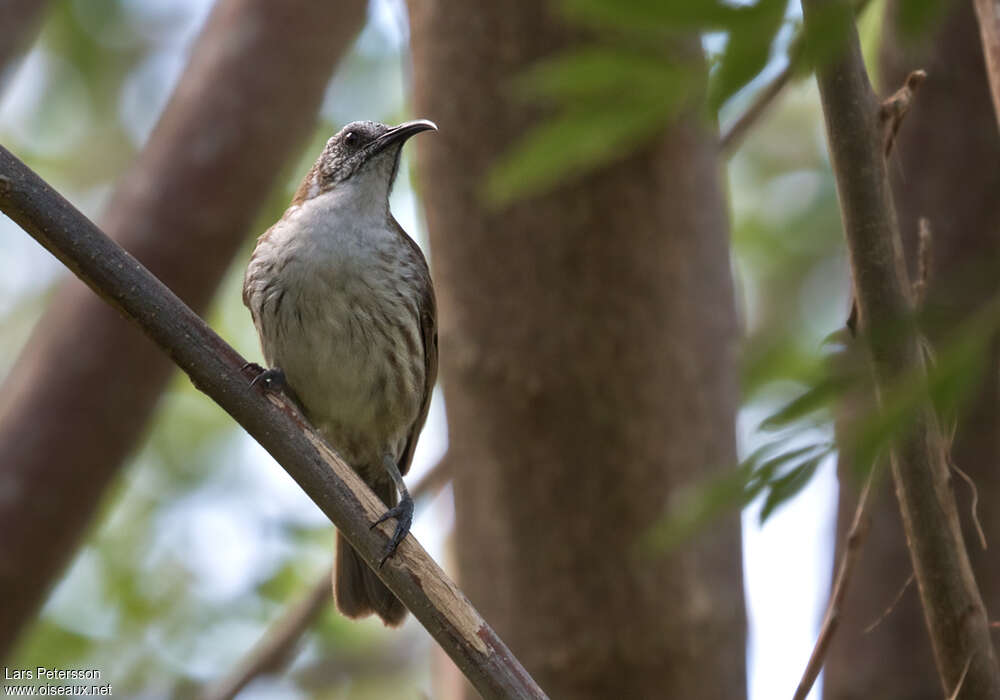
(253, 367)
(273, 379)
(403, 513)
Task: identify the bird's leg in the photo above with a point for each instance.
(403, 512)
(272, 379)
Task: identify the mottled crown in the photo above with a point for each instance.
(349, 149)
(365, 146)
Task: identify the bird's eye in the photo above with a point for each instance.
(352, 139)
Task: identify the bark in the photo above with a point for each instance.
(947, 168)
(80, 395)
(588, 343)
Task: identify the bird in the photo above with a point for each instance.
(344, 305)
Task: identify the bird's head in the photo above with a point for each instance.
(362, 158)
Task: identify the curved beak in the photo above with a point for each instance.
(399, 134)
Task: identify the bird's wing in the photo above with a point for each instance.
(247, 281)
(428, 332)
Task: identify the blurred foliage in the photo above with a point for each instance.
(916, 18)
(613, 98)
(839, 389)
(618, 89)
(637, 71)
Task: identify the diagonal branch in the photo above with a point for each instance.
(733, 136)
(273, 650)
(852, 553)
(953, 607)
(215, 368)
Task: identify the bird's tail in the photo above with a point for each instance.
(356, 589)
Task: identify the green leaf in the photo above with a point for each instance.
(694, 509)
(943, 385)
(961, 362)
(699, 506)
(747, 51)
(576, 143)
(284, 584)
(823, 37)
(599, 72)
(47, 643)
(916, 17)
(814, 399)
(769, 358)
(610, 101)
(888, 424)
(786, 487)
(763, 476)
(654, 15)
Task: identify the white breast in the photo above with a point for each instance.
(330, 292)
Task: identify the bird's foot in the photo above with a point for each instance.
(403, 513)
(272, 379)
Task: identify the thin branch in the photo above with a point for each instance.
(988, 13)
(892, 606)
(894, 109)
(317, 676)
(924, 250)
(974, 506)
(852, 553)
(738, 129)
(273, 650)
(734, 135)
(434, 480)
(891, 114)
(215, 368)
(961, 680)
(953, 607)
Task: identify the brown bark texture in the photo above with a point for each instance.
(588, 342)
(80, 395)
(946, 167)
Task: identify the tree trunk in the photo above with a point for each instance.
(83, 389)
(588, 343)
(946, 167)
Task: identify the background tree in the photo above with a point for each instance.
(587, 344)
